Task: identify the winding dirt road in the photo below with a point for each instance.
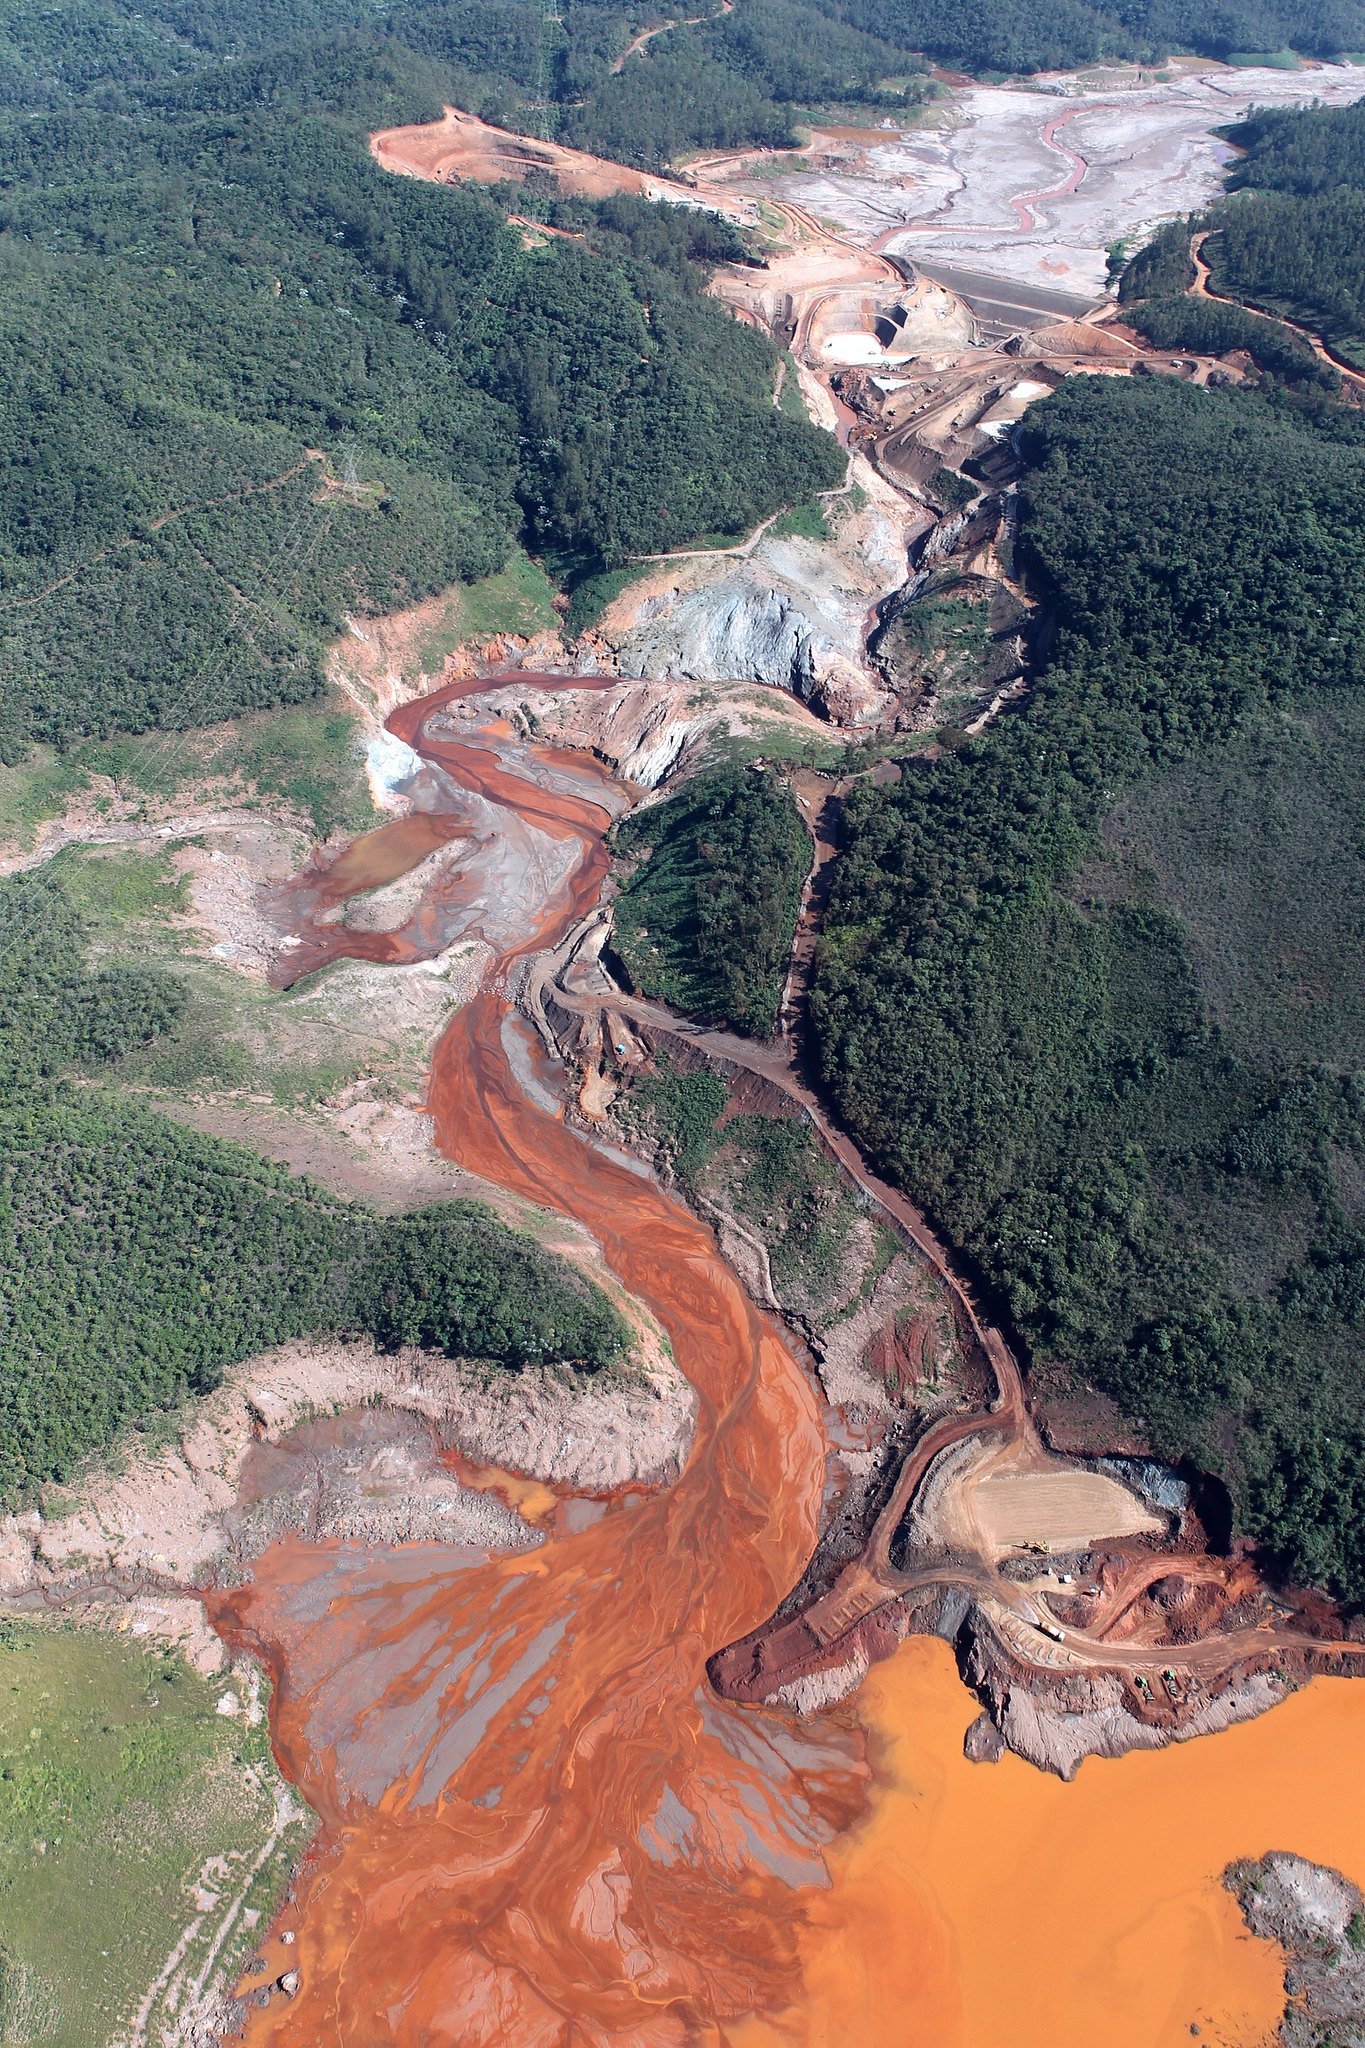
(540, 1826)
(646, 36)
(1202, 289)
(751, 1668)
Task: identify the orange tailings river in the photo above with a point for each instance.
(541, 1828)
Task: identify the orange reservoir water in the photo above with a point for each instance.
(991, 1906)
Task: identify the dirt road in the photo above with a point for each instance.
(1202, 289)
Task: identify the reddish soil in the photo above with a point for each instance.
(1202, 289)
(460, 145)
(539, 1825)
(464, 796)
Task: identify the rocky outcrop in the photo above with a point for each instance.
(641, 731)
(983, 1743)
(750, 625)
(646, 729)
(1318, 1918)
(792, 614)
(968, 539)
(1058, 1720)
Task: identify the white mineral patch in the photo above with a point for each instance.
(1149, 152)
(389, 763)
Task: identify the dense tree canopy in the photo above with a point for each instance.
(1293, 237)
(1290, 241)
(1213, 328)
(1048, 35)
(256, 384)
(1091, 985)
(707, 918)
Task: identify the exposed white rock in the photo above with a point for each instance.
(1056, 1740)
(642, 730)
(752, 625)
(389, 764)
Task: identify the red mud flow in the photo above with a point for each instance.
(473, 797)
(540, 1826)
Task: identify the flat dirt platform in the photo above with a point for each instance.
(460, 145)
(1066, 1510)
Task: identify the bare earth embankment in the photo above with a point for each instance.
(337, 1442)
(363, 1516)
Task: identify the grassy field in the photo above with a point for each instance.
(590, 597)
(122, 893)
(789, 398)
(516, 600)
(123, 1791)
(307, 755)
(803, 522)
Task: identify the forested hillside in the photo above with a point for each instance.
(1046, 35)
(1290, 240)
(706, 920)
(1293, 237)
(255, 384)
(139, 1259)
(1093, 986)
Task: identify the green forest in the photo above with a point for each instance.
(768, 1170)
(1289, 240)
(139, 1259)
(706, 919)
(1210, 327)
(1292, 236)
(1093, 985)
(732, 77)
(1049, 35)
(255, 384)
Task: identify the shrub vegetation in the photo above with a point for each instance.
(706, 920)
(140, 1259)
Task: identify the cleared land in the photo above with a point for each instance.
(1067, 1510)
(460, 145)
(1032, 183)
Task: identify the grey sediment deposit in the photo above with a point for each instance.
(338, 1440)
(752, 623)
(1318, 1918)
(1057, 1721)
(786, 610)
(645, 730)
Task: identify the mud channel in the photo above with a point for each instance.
(540, 1826)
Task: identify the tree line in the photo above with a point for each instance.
(1289, 240)
(257, 385)
(1081, 983)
